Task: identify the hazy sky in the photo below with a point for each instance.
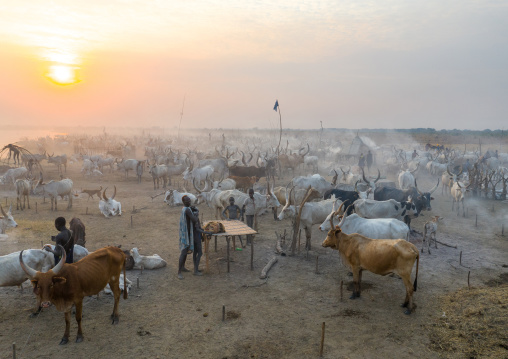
(353, 64)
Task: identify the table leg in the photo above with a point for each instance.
(234, 243)
(207, 243)
(252, 253)
(227, 251)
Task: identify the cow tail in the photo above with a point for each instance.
(416, 277)
(125, 294)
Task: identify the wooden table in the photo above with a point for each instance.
(233, 228)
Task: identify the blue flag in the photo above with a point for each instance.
(276, 105)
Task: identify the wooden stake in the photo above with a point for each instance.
(14, 350)
(35, 207)
(476, 221)
(142, 267)
(42, 244)
(137, 282)
(460, 258)
(131, 222)
(252, 253)
(468, 274)
(317, 261)
(223, 313)
(322, 339)
(502, 230)
(299, 236)
(341, 289)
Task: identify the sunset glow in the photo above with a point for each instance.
(349, 64)
(62, 74)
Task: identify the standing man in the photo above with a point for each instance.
(369, 160)
(64, 239)
(249, 209)
(414, 155)
(234, 213)
(361, 162)
(190, 237)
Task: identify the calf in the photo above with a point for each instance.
(147, 262)
(22, 190)
(430, 228)
(78, 231)
(379, 256)
(66, 285)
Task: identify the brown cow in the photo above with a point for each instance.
(379, 256)
(67, 284)
(244, 183)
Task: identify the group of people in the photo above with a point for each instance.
(191, 232)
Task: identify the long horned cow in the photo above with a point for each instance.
(109, 207)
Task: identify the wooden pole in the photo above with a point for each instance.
(502, 230)
(14, 350)
(87, 210)
(131, 222)
(322, 339)
(35, 207)
(460, 258)
(341, 289)
(42, 244)
(476, 221)
(137, 282)
(317, 261)
(142, 267)
(299, 236)
(252, 253)
(227, 250)
(468, 274)
(223, 313)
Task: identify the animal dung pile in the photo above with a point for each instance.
(473, 323)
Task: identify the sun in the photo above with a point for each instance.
(62, 74)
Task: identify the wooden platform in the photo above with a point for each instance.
(233, 228)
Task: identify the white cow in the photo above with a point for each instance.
(198, 174)
(127, 165)
(369, 208)
(380, 228)
(147, 262)
(7, 220)
(12, 274)
(13, 174)
(108, 206)
(312, 213)
(407, 179)
(54, 189)
(173, 198)
(316, 181)
(458, 192)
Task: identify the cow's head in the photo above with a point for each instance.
(108, 206)
(45, 284)
(332, 238)
(7, 219)
(409, 208)
(424, 198)
(334, 215)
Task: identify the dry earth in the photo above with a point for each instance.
(280, 317)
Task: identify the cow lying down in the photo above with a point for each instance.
(379, 256)
(108, 290)
(12, 274)
(147, 262)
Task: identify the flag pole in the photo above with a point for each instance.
(277, 107)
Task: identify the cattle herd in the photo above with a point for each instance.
(364, 213)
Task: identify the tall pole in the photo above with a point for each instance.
(280, 123)
(181, 115)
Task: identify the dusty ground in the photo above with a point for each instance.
(280, 317)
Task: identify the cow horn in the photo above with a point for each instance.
(334, 179)
(114, 193)
(458, 184)
(194, 184)
(342, 170)
(416, 186)
(243, 159)
(364, 179)
(348, 169)
(104, 194)
(378, 176)
(416, 169)
(448, 170)
(251, 156)
(3, 212)
(30, 271)
(60, 264)
(356, 189)
(434, 188)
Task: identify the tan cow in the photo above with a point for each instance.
(244, 183)
(379, 256)
(66, 285)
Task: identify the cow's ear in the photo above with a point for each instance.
(396, 208)
(60, 280)
(35, 285)
(431, 198)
